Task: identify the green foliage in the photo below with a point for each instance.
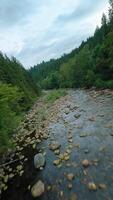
(89, 65)
(17, 93)
(54, 95)
(12, 72)
(52, 81)
(10, 113)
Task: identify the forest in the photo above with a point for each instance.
(90, 65)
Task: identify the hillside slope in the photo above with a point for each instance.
(17, 94)
(89, 65)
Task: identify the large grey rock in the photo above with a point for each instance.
(38, 189)
(39, 160)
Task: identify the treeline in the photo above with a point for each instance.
(17, 93)
(89, 65)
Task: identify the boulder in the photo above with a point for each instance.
(38, 189)
(39, 160)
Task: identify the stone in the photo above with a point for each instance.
(49, 188)
(77, 116)
(73, 197)
(70, 140)
(54, 146)
(57, 152)
(85, 163)
(102, 186)
(92, 186)
(92, 119)
(19, 167)
(70, 186)
(83, 135)
(86, 151)
(56, 162)
(67, 111)
(66, 158)
(6, 178)
(39, 160)
(61, 193)
(38, 189)
(11, 176)
(70, 176)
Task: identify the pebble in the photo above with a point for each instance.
(85, 163)
(102, 186)
(54, 146)
(70, 186)
(70, 176)
(92, 186)
(56, 162)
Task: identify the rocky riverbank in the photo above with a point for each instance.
(63, 150)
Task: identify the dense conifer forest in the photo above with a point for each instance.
(89, 65)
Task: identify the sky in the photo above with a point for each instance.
(37, 30)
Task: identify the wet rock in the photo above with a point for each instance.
(66, 158)
(56, 162)
(49, 187)
(92, 119)
(45, 136)
(70, 176)
(92, 186)
(102, 186)
(57, 152)
(68, 151)
(11, 176)
(61, 193)
(6, 178)
(85, 163)
(77, 116)
(70, 186)
(83, 135)
(73, 197)
(54, 146)
(21, 172)
(38, 189)
(67, 111)
(70, 140)
(86, 151)
(39, 160)
(61, 156)
(19, 167)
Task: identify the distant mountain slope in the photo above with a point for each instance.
(89, 65)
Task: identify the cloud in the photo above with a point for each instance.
(33, 31)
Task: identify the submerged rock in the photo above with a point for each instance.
(54, 146)
(39, 160)
(38, 189)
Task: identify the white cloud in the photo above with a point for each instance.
(47, 28)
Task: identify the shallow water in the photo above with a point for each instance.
(91, 125)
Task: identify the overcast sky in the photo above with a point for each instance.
(37, 30)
